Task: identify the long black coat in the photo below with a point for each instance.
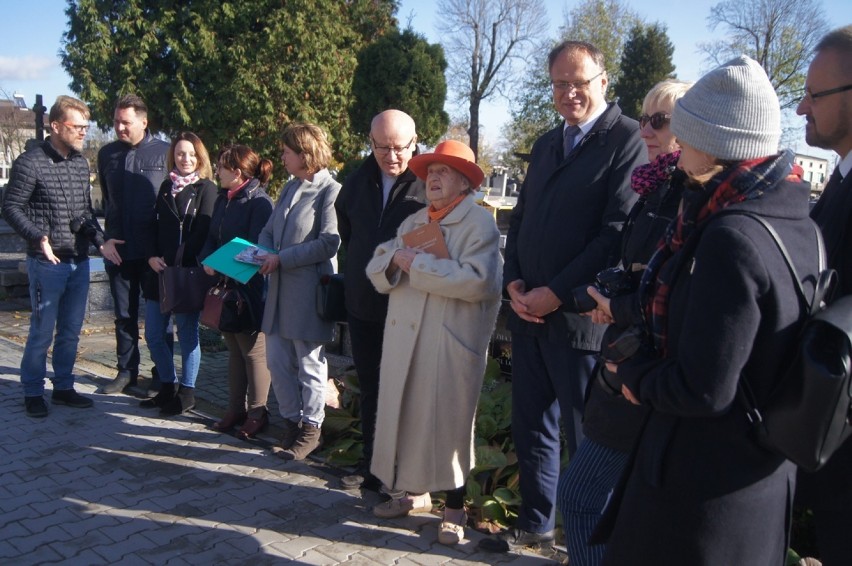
(700, 490)
(181, 218)
(567, 224)
(364, 224)
(244, 216)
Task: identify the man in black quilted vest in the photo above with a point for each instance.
(827, 107)
(48, 203)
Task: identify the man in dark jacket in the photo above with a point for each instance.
(564, 229)
(827, 107)
(372, 203)
(48, 203)
(131, 171)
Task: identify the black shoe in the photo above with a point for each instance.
(123, 380)
(36, 407)
(361, 479)
(516, 539)
(181, 403)
(162, 398)
(70, 398)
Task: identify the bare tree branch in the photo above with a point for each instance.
(484, 41)
(778, 34)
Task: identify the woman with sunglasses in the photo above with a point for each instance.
(610, 423)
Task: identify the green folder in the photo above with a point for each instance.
(222, 260)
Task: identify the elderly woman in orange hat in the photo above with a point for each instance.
(440, 316)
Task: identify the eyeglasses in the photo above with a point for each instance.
(657, 120)
(811, 96)
(385, 149)
(576, 87)
(76, 127)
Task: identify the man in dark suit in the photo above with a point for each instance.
(565, 228)
(827, 107)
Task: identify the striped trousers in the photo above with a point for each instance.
(584, 489)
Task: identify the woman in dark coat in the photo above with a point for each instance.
(611, 424)
(721, 307)
(184, 206)
(242, 209)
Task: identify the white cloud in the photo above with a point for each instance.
(29, 67)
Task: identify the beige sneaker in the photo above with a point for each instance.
(451, 533)
(402, 507)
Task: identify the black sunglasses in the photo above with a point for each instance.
(658, 120)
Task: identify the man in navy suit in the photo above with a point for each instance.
(827, 107)
(565, 228)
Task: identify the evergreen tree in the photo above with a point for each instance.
(230, 71)
(405, 72)
(647, 59)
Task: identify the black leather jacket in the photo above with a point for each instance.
(130, 178)
(45, 193)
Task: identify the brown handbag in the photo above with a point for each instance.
(227, 309)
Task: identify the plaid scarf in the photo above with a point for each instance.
(647, 178)
(746, 180)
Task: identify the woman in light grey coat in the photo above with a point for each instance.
(441, 313)
(303, 232)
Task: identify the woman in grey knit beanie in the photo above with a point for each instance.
(720, 308)
(731, 114)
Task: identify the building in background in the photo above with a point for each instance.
(816, 171)
(17, 127)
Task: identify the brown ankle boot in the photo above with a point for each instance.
(291, 433)
(307, 442)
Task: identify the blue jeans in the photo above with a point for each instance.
(58, 298)
(584, 490)
(157, 327)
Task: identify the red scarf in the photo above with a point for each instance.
(233, 192)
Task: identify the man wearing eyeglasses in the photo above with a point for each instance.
(372, 203)
(131, 170)
(48, 203)
(564, 229)
(827, 108)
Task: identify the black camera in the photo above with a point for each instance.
(618, 345)
(82, 225)
(611, 282)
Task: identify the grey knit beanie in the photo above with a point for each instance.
(732, 113)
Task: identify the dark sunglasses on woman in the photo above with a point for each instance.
(658, 120)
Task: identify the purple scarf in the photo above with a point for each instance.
(649, 177)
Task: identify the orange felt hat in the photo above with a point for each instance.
(453, 154)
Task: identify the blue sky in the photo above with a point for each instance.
(29, 61)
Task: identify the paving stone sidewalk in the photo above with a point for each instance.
(116, 484)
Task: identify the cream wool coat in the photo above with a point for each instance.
(304, 233)
(440, 319)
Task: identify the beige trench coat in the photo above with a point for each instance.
(440, 319)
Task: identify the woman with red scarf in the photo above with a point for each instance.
(241, 211)
(721, 309)
(441, 312)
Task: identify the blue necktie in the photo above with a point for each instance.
(569, 135)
